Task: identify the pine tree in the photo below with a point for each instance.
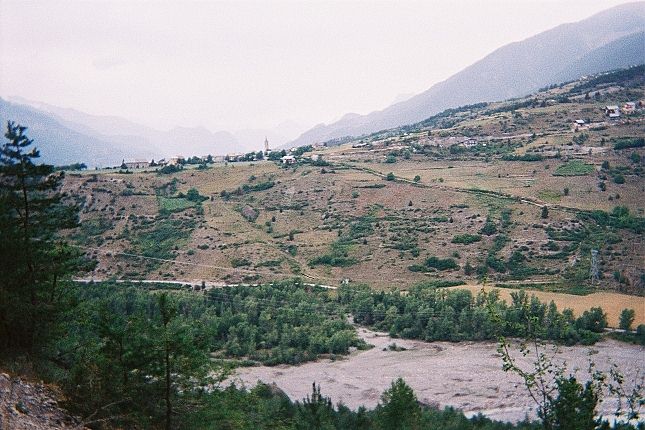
(315, 412)
(33, 260)
(400, 409)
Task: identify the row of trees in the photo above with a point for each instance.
(572, 406)
(399, 409)
(434, 314)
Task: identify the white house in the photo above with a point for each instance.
(612, 111)
(173, 161)
(138, 164)
(288, 159)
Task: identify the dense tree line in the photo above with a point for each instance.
(132, 357)
(264, 407)
(285, 322)
(431, 314)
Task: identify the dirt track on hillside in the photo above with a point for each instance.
(464, 375)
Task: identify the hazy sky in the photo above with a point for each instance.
(230, 65)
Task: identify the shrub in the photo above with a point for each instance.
(194, 196)
(489, 227)
(524, 157)
(169, 169)
(629, 142)
(249, 213)
(240, 262)
(466, 239)
(441, 263)
(626, 319)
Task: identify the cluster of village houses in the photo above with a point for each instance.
(287, 158)
(612, 112)
(627, 109)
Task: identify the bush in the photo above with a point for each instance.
(441, 263)
(240, 262)
(524, 157)
(629, 142)
(489, 228)
(169, 169)
(626, 319)
(194, 196)
(390, 177)
(466, 239)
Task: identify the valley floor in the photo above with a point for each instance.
(466, 375)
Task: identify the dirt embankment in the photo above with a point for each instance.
(28, 406)
(466, 375)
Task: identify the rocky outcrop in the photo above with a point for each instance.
(34, 406)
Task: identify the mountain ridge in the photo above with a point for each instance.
(105, 140)
(550, 57)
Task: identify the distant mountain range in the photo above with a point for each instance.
(66, 136)
(609, 40)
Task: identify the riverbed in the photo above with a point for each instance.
(465, 375)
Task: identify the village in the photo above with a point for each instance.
(284, 156)
(613, 114)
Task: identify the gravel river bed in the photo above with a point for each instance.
(465, 375)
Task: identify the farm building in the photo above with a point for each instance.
(629, 108)
(173, 161)
(138, 164)
(612, 111)
(468, 143)
(288, 159)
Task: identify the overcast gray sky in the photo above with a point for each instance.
(231, 65)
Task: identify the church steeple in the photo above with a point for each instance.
(266, 145)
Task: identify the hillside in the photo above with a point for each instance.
(460, 196)
(609, 40)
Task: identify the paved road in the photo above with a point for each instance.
(193, 283)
